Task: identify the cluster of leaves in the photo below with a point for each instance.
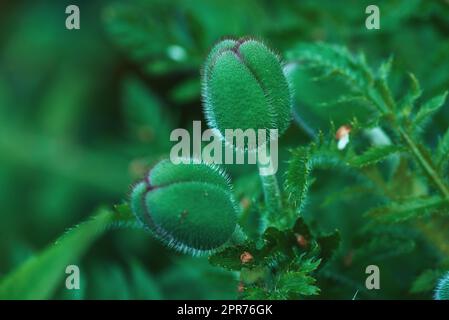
(404, 121)
(280, 263)
(402, 172)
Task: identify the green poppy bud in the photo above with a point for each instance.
(442, 290)
(189, 207)
(244, 87)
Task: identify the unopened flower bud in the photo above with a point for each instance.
(187, 206)
(244, 87)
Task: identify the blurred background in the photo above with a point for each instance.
(83, 114)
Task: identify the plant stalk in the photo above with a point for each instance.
(428, 168)
(272, 193)
(424, 163)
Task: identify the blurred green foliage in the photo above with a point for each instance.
(84, 113)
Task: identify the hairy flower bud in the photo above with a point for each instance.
(442, 290)
(244, 87)
(189, 207)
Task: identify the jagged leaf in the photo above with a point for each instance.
(427, 110)
(298, 179)
(426, 281)
(302, 161)
(300, 282)
(374, 155)
(254, 293)
(442, 152)
(412, 95)
(385, 68)
(334, 60)
(301, 228)
(229, 258)
(412, 208)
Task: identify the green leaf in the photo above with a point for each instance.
(396, 212)
(40, 275)
(334, 60)
(297, 181)
(301, 228)
(187, 91)
(254, 293)
(322, 154)
(123, 218)
(373, 155)
(412, 95)
(229, 258)
(298, 283)
(426, 281)
(385, 68)
(278, 249)
(427, 110)
(442, 152)
(309, 265)
(415, 87)
(194, 278)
